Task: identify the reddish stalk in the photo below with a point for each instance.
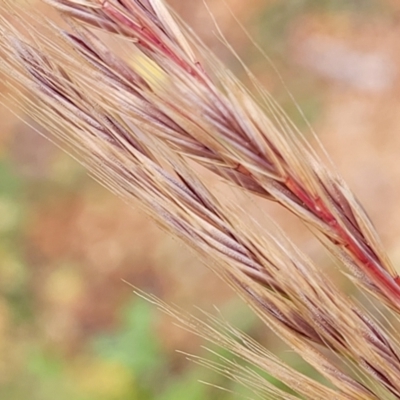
(389, 284)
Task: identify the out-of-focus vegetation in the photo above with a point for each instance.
(69, 327)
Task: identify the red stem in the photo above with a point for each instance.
(369, 263)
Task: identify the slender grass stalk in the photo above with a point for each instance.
(137, 134)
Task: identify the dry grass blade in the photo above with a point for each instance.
(225, 130)
(112, 117)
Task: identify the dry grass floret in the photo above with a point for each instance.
(137, 132)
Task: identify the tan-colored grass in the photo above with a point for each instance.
(220, 126)
(137, 131)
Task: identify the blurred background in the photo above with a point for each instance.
(69, 326)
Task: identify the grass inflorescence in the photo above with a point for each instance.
(140, 123)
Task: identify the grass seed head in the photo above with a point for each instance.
(137, 133)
